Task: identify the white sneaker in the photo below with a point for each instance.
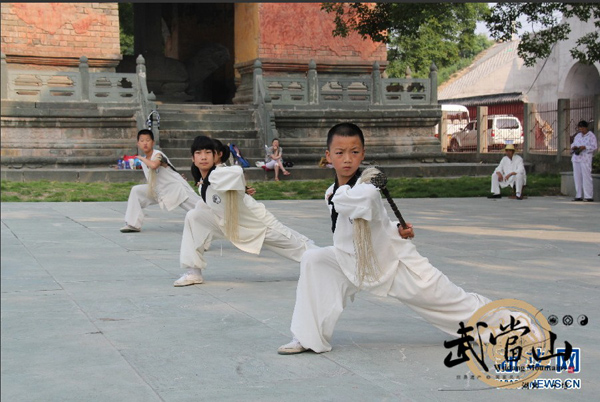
(292, 348)
(129, 229)
(191, 277)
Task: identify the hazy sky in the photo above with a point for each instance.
(481, 28)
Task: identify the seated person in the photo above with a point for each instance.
(274, 159)
(510, 172)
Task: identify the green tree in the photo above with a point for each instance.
(126, 28)
(504, 21)
(416, 34)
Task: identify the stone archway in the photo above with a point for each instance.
(189, 50)
(581, 80)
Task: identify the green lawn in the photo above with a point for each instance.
(38, 191)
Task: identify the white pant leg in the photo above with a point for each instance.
(188, 204)
(438, 300)
(587, 181)
(292, 248)
(519, 182)
(578, 179)
(320, 298)
(199, 227)
(138, 200)
(495, 184)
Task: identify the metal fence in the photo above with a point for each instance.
(543, 133)
(578, 109)
(548, 129)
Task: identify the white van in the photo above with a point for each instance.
(502, 129)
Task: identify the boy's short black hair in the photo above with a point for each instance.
(202, 142)
(220, 148)
(345, 130)
(145, 131)
(583, 124)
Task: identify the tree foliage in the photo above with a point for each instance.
(126, 28)
(444, 32)
(416, 34)
(503, 22)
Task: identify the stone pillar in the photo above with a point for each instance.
(596, 127)
(4, 77)
(482, 114)
(377, 89)
(562, 124)
(443, 131)
(257, 74)
(313, 84)
(84, 73)
(528, 124)
(433, 77)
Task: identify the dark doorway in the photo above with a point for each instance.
(189, 50)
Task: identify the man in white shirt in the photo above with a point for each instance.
(583, 149)
(510, 172)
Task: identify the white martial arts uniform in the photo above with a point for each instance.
(257, 227)
(328, 276)
(171, 190)
(582, 165)
(506, 167)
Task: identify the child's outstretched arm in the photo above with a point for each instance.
(152, 164)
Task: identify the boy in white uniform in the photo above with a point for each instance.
(370, 252)
(227, 211)
(165, 186)
(509, 172)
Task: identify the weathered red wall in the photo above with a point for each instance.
(39, 32)
(301, 31)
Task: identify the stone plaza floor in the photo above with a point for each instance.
(91, 314)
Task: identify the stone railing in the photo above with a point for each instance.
(347, 92)
(264, 116)
(79, 86)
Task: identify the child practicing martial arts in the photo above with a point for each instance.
(228, 212)
(369, 252)
(165, 186)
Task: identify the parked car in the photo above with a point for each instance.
(501, 130)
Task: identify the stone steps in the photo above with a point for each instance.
(181, 123)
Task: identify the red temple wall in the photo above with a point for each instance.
(59, 33)
(301, 31)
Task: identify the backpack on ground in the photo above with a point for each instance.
(237, 156)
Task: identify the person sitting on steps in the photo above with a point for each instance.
(274, 159)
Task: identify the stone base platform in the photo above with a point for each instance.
(252, 174)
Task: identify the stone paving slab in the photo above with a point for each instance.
(90, 314)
